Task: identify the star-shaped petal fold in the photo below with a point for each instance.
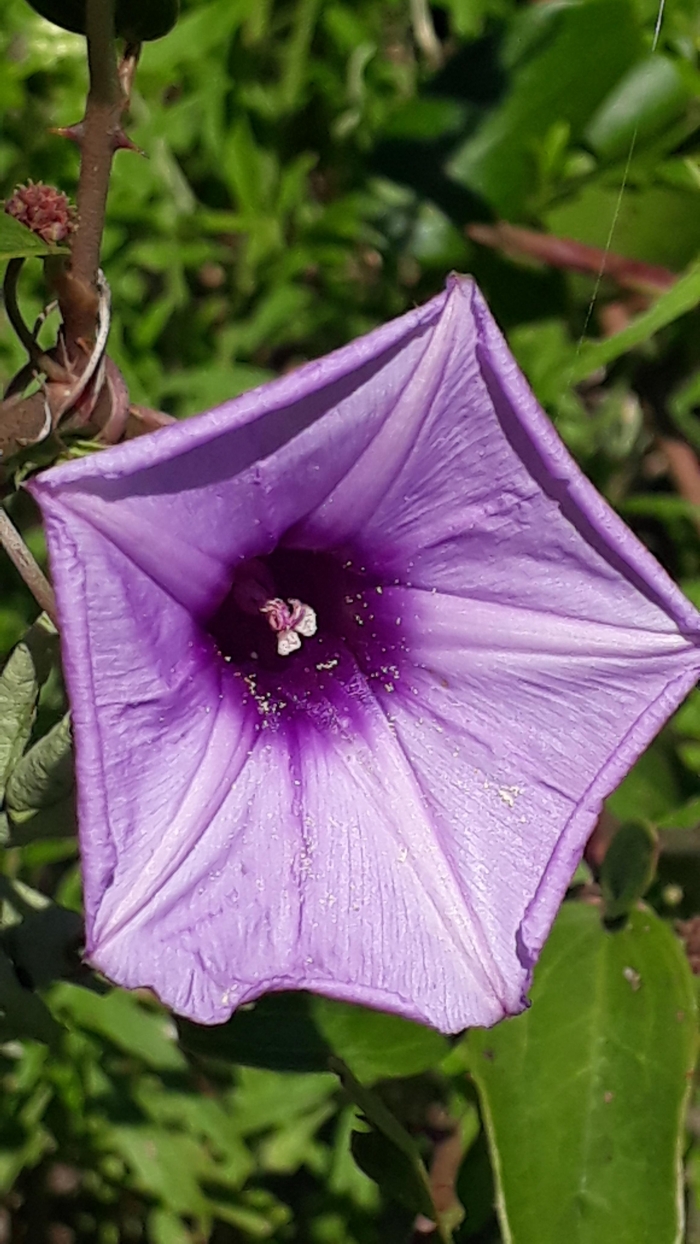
(389, 808)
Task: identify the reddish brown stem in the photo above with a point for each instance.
(574, 256)
(77, 287)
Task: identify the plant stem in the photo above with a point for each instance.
(41, 360)
(29, 569)
(77, 290)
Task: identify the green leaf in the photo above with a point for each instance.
(647, 98)
(278, 1032)
(165, 1165)
(40, 936)
(19, 695)
(375, 1045)
(271, 1101)
(165, 1227)
(584, 1095)
(628, 868)
(687, 816)
(288, 1148)
(678, 300)
(22, 1012)
(40, 791)
(654, 222)
(392, 1159)
(202, 1117)
(24, 673)
(651, 788)
(18, 242)
(475, 1188)
(392, 1170)
(143, 1032)
(300, 1032)
(569, 58)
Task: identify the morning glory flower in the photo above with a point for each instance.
(352, 661)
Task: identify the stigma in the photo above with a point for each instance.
(291, 621)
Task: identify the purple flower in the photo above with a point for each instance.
(352, 660)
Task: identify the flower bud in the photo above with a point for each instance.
(43, 209)
(134, 20)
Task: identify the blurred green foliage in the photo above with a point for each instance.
(312, 169)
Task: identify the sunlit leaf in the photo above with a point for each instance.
(584, 1095)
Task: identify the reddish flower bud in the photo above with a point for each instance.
(44, 210)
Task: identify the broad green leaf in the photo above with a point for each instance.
(392, 1158)
(40, 936)
(18, 242)
(202, 1117)
(40, 791)
(22, 1012)
(584, 1095)
(300, 1032)
(679, 299)
(165, 1227)
(569, 57)
(19, 695)
(628, 868)
(392, 1170)
(141, 1031)
(652, 94)
(165, 1165)
(375, 1045)
(475, 1187)
(687, 816)
(25, 671)
(278, 1032)
(654, 222)
(288, 1148)
(271, 1100)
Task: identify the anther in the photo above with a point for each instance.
(290, 620)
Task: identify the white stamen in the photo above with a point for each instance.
(287, 642)
(290, 620)
(303, 618)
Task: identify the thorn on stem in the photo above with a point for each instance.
(75, 134)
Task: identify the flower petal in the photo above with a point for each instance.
(396, 821)
(518, 725)
(187, 512)
(475, 495)
(252, 884)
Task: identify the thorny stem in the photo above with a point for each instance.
(78, 294)
(42, 361)
(30, 571)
